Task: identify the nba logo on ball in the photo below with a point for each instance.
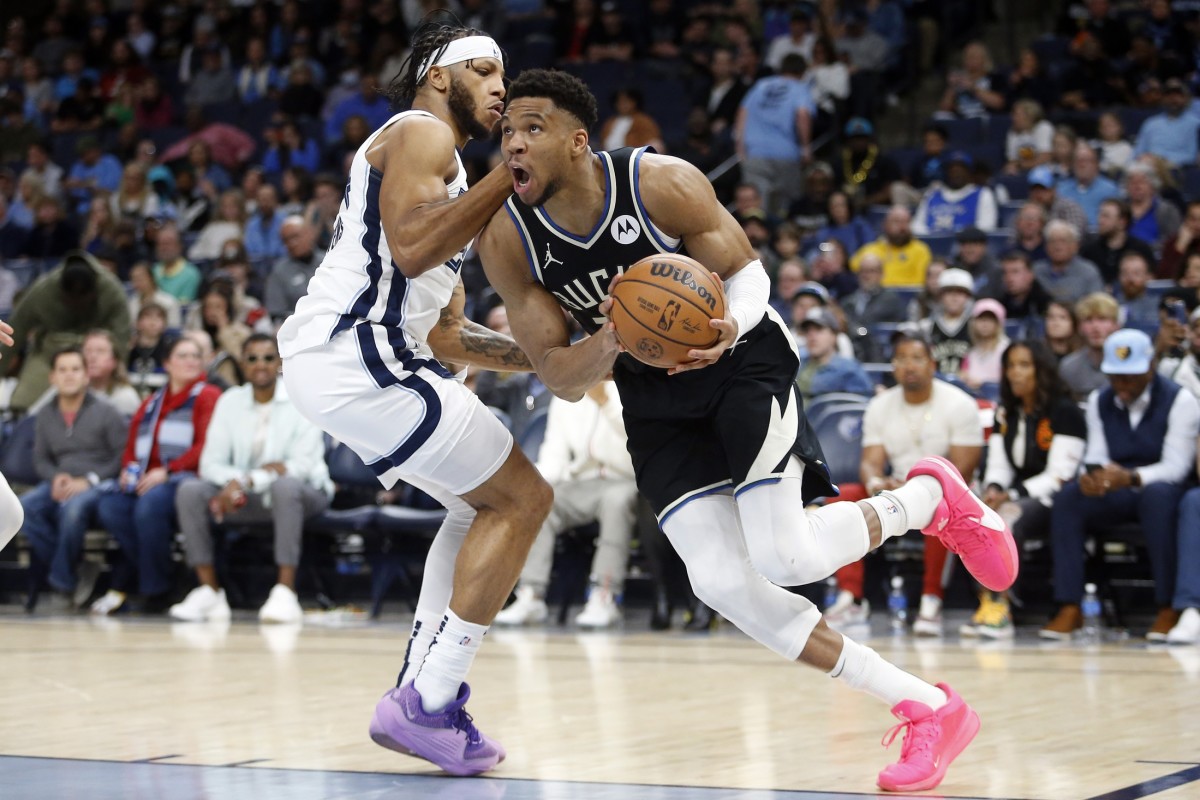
(625, 229)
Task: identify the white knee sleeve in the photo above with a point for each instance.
(12, 515)
(791, 547)
(706, 534)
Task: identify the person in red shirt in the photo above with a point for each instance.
(165, 440)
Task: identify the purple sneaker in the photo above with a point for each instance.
(448, 738)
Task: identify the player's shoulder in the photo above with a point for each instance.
(658, 167)
(419, 133)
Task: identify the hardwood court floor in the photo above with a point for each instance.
(275, 712)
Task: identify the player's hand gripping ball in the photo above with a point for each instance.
(662, 307)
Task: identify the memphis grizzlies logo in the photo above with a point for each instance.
(625, 229)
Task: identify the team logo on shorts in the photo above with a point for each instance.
(649, 348)
(625, 229)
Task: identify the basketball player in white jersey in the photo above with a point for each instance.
(720, 445)
(12, 515)
(359, 361)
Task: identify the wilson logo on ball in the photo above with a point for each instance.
(663, 270)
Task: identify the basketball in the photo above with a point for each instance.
(662, 307)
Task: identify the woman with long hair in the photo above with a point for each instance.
(216, 314)
(1062, 330)
(1035, 447)
(982, 363)
(845, 224)
(228, 223)
(107, 376)
(135, 199)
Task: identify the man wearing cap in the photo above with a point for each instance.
(1141, 448)
(1087, 186)
(1171, 134)
(904, 258)
(1042, 190)
(958, 203)
(947, 329)
(772, 132)
(863, 171)
(1064, 274)
(806, 299)
(823, 371)
(1112, 240)
(973, 256)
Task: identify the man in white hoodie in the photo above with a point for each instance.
(584, 458)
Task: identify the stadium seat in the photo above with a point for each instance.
(1190, 182)
(840, 434)
(1016, 185)
(999, 240)
(963, 132)
(940, 244)
(16, 453)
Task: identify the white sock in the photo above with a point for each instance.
(449, 660)
(860, 667)
(424, 631)
(918, 500)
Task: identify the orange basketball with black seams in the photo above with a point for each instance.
(662, 308)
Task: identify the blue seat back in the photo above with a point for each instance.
(16, 453)
(840, 433)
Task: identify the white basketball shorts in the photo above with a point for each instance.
(401, 411)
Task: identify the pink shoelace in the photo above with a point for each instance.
(918, 737)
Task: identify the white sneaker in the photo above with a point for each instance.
(929, 616)
(601, 610)
(109, 602)
(845, 612)
(527, 609)
(282, 606)
(1187, 630)
(202, 604)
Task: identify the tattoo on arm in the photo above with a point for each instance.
(497, 348)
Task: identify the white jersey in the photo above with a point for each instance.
(358, 281)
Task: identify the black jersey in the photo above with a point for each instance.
(578, 269)
(728, 426)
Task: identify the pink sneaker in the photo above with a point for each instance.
(932, 740)
(968, 528)
(448, 738)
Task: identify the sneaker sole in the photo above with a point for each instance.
(1055, 636)
(950, 472)
(965, 735)
(997, 634)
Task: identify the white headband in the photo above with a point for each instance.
(463, 49)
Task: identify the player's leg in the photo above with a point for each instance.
(705, 532)
(11, 513)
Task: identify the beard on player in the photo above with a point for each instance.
(465, 111)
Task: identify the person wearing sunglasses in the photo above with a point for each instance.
(262, 462)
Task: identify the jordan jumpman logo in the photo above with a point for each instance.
(549, 259)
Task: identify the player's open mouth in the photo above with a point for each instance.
(520, 180)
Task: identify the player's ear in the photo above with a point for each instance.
(579, 140)
(438, 78)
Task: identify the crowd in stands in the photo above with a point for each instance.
(172, 173)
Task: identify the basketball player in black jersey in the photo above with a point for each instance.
(720, 445)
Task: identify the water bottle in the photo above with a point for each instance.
(898, 606)
(1093, 621)
(133, 472)
(831, 592)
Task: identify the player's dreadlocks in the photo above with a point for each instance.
(565, 90)
(436, 31)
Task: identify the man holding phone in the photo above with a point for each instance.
(1181, 363)
(1141, 446)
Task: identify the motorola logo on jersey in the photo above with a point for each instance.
(625, 229)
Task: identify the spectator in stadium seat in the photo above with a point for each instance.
(289, 278)
(1062, 336)
(165, 438)
(773, 131)
(1065, 275)
(1115, 150)
(262, 239)
(216, 315)
(213, 83)
(1184, 368)
(1091, 80)
(1042, 182)
(800, 39)
(904, 257)
(611, 38)
(828, 265)
(925, 304)
(173, 273)
(1154, 220)
(958, 203)
(1173, 133)
(228, 223)
(1097, 317)
(1087, 186)
(1141, 448)
(829, 79)
(1029, 80)
(930, 168)
(135, 199)
(1030, 138)
(1177, 248)
(871, 303)
(1019, 291)
(630, 126)
(1138, 308)
(1098, 20)
(810, 213)
(82, 111)
(154, 108)
(974, 257)
(52, 235)
(862, 171)
(94, 170)
(973, 90)
(12, 235)
(981, 365)
(77, 446)
(867, 54)
(723, 92)
(846, 224)
(367, 103)
(146, 290)
(823, 370)
(39, 167)
(1112, 240)
(1028, 236)
(257, 79)
(788, 278)
(947, 329)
